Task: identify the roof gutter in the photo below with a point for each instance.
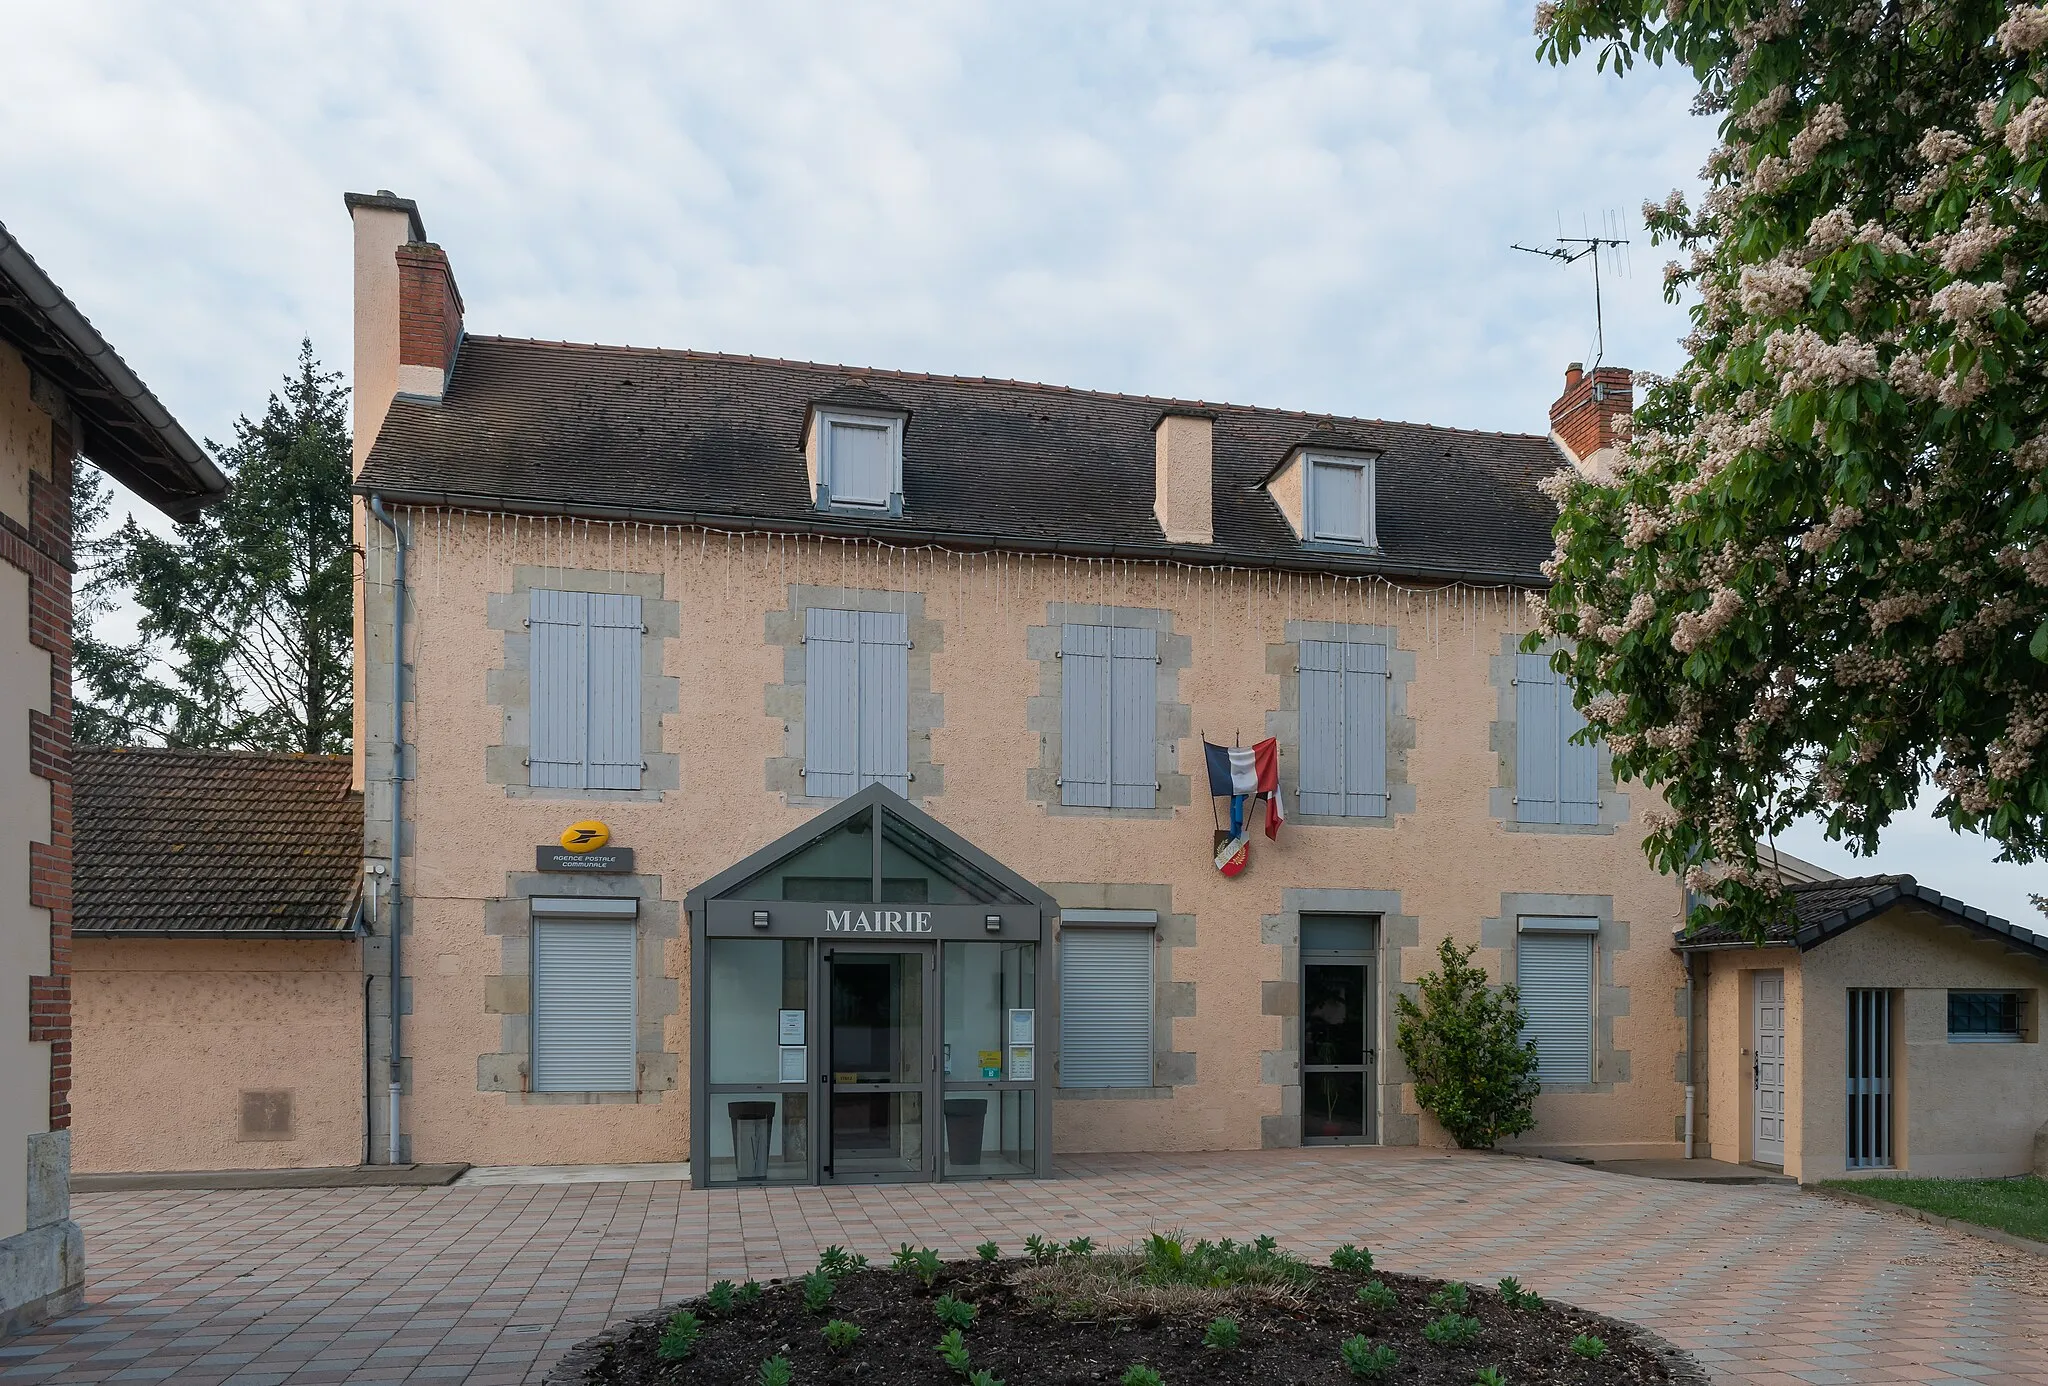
(50, 300)
(1196, 555)
(396, 928)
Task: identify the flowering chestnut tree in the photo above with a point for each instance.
(1816, 572)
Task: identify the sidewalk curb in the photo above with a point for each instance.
(1968, 1229)
(317, 1177)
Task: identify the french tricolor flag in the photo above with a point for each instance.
(1236, 771)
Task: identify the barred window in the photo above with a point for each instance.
(1985, 1017)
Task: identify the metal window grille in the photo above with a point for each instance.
(1984, 1015)
(1870, 1079)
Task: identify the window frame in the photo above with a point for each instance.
(2016, 1035)
(1587, 929)
(1139, 723)
(591, 707)
(864, 697)
(826, 421)
(1368, 519)
(1070, 932)
(573, 912)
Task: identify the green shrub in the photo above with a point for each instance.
(1222, 1335)
(1489, 1376)
(1515, 1297)
(1589, 1347)
(1139, 1375)
(1367, 1359)
(818, 1288)
(749, 1293)
(1375, 1295)
(1452, 1330)
(1219, 1265)
(953, 1351)
(1354, 1260)
(719, 1299)
(841, 1334)
(1452, 1296)
(776, 1371)
(989, 1251)
(1463, 1045)
(679, 1338)
(954, 1313)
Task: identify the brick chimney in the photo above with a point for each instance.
(408, 312)
(1184, 456)
(1583, 421)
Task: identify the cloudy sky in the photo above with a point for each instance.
(1302, 205)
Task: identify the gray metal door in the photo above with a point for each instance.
(878, 1064)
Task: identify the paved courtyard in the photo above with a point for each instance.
(489, 1284)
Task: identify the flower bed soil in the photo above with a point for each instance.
(1028, 1344)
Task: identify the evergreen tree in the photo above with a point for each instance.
(247, 612)
(1463, 1045)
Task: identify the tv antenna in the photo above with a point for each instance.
(1569, 250)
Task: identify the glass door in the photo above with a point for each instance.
(1338, 1056)
(877, 1068)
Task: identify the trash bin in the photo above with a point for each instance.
(751, 1122)
(964, 1118)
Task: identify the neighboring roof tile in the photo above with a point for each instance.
(702, 438)
(214, 842)
(1822, 909)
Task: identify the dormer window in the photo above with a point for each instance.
(1341, 501)
(854, 449)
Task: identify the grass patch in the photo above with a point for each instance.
(2018, 1206)
(1165, 1275)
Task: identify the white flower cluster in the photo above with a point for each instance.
(1830, 231)
(1965, 301)
(2024, 31)
(1943, 147)
(1774, 290)
(1802, 359)
(2036, 309)
(2028, 129)
(2032, 455)
(1826, 125)
(1558, 485)
(1695, 628)
(1969, 247)
(1841, 520)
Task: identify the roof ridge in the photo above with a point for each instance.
(1319, 416)
(1852, 882)
(216, 753)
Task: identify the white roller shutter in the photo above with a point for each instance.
(1554, 973)
(583, 1005)
(1105, 1008)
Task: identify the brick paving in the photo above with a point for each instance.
(489, 1284)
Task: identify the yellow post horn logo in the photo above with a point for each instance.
(587, 836)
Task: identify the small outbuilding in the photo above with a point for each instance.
(1879, 1027)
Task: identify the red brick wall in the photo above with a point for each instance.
(43, 551)
(1586, 423)
(429, 308)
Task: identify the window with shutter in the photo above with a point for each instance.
(1554, 974)
(1343, 729)
(1556, 779)
(1109, 718)
(1341, 501)
(856, 701)
(861, 473)
(583, 697)
(584, 1002)
(1105, 1008)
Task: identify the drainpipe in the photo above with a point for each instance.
(1690, 1064)
(394, 918)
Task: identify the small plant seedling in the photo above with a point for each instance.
(954, 1313)
(841, 1334)
(719, 1298)
(1515, 1297)
(953, 1351)
(776, 1371)
(1039, 1250)
(1453, 1296)
(1374, 1294)
(818, 1288)
(679, 1338)
(989, 1251)
(1266, 1244)
(1354, 1259)
(1452, 1330)
(1138, 1374)
(1222, 1335)
(985, 1379)
(904, 1256)
(1489, 1376)
(749, 1293)
(1589, 1347)
(1080, 1247)
(1367, 1359)
(836, 1261)
(925, 1266)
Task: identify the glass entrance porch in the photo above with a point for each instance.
(866, 998)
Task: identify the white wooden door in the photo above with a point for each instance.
(1767, 1069)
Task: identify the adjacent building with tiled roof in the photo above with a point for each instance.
(215, 844)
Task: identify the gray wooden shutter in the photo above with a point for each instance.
(613, 740)
(1133, 717)
(584, 1005)
(860, 462)
(1084, 715)
(1322, 727)
(1554, 973)
(1536, 727)
(1105, 1008)
(884, 669)
(1578, 767)
(558, 688)
(831, 703)
(1365, 731)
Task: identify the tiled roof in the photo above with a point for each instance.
(695, 437)
(1822, 909)
(203, 843)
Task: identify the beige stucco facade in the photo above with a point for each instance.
(217, 1054)
(1959, 1109)
(1443, 863)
